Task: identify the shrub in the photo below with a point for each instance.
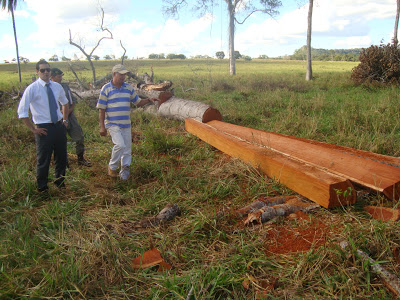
(378, 64)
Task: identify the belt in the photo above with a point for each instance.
(49, 124)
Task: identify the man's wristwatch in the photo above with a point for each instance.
(65, 122)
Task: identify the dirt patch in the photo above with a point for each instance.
(301, 237)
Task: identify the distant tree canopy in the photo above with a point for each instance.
(157, 56)
(54, 58)
(176, 56)
(237, 55)
(63, 58)
(220, 54)
(96, 57)
(327, 55)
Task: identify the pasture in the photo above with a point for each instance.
(73, 246)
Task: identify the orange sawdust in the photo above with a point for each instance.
(299, 238)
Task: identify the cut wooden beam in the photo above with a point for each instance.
(364, 168)
(322, 187)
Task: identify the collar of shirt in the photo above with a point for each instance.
(113, 86)
(42, 82)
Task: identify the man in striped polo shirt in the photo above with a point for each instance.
(114, 106)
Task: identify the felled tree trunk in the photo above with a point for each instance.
(181, 109)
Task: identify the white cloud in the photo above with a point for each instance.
(336, 23)
(339, 19)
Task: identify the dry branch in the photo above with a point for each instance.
(391, 281)
(269, 212)
(169, 212)
(258, 204)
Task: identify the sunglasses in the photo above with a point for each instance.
(44, 70)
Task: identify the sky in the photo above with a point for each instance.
(43, 28)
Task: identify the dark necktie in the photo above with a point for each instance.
(52, 104)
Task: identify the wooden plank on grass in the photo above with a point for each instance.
(374, 171)
(324, 188)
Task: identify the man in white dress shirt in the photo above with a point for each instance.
(41, 98)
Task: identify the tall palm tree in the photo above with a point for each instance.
(11, 5)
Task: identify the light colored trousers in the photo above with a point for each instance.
(122, 150)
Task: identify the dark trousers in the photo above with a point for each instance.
(55, 141)
(76, 133)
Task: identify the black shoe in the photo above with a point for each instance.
(60, 183)
(84, 162)
(44, 189)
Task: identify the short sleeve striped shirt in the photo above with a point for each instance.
(117, 104)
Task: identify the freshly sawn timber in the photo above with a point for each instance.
(374, 171)
(327, 189)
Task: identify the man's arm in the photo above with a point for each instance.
(71, 108)
(143, 102)
(72, 100)
(65, 113)
(102, 117)
(29, 124)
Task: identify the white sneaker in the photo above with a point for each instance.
(124, 173)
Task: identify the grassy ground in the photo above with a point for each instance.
(64, 246)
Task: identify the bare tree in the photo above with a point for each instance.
(396, 24)
(309, 30)
(235, 7)
(11, 5)
(123, 55)
(89, 55)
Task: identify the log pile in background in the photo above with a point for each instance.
(169, 106)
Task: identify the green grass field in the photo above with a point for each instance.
(72, 245)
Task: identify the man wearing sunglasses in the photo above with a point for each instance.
(41, 98)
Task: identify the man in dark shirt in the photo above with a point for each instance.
(74, 129)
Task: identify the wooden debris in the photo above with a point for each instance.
(260, 203)
(162, 86)
(150, 258)
(391, 281)
(367, 169)
(384, 214)
(169, 212)
(269, 212)
(318, 185)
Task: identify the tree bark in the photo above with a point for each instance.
(231, 12)
(309, 31)
(181, 109)
(258, 204)
(288, 207)
(16, 44)
(396, 24)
